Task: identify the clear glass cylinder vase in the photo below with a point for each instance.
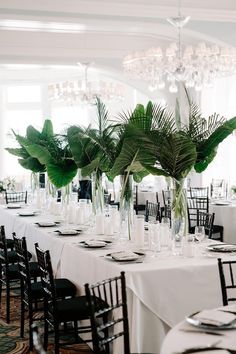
(97, 193)
(126, 206)
(179, 214)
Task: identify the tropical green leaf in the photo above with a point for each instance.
(88, 169)
(33, 135)
(155, 171)
(61, 175)
(47, 129)
(176, 154)
(21, 152)
(32, 164)
(39, 152)
(207, 150)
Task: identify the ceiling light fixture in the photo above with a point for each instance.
(84, 91)
(197, 67)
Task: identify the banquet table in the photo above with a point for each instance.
(161, 290)
(225, 215)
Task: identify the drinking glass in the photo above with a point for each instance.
(199, 233)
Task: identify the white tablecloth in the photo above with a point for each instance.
(161, 291)
(225, 215)
(177, 340)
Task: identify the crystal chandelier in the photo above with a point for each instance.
(84, 91)
(195, 67)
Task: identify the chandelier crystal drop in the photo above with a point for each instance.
(196, 67)
(85, 92)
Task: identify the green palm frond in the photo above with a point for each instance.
(206, 150)
(175, 155)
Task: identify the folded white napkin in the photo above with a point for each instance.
(124, 255)
(215, 317)
(95, 243)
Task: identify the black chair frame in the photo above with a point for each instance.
(16, 197)
(52, 305)
(227, 286)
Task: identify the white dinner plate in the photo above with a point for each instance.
(198, 323)
(46, 223)
(68, 232)
(27, 213)
(94, 243)
(13, 206)
(126, 256)
(225, 248)
(222, 203)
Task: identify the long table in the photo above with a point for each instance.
(161, 290)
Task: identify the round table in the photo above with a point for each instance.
(184, 336)
(225, 215)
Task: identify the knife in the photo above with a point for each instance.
(214, 333)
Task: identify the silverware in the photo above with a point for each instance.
(214, 333)
(200, 348)
(204, 349)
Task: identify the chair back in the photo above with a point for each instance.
(206, 220)
(16, 197)
(4, 261)
(194, 204)
(227, 271)
(23, 266)
(109, 321)
(152, 210)
(166, 195)
(218, 188)
(199, 192)
(47, 280)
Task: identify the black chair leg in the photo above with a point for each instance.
(56, 338)
(22, 319)
(30, 328)
(8, 302)
(76, 331)
(221, 235)
(45, 335)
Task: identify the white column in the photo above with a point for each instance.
(46, 103)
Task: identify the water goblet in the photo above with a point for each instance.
(199, 233)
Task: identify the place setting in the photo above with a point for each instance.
(126, 256)
(95, 243)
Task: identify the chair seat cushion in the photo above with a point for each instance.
(10, 243)
(64, 288)
(74, 309)
(34, 269)
(13, 272)
(12, 256)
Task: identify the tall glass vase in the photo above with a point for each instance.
(179, 214)
(126, 206)
(97, 193)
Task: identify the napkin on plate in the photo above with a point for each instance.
(215, 317)
(95, 243)
(124, 255)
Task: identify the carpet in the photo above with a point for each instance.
(12, 343)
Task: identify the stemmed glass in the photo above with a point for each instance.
(199, 233)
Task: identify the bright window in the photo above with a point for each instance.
(18, 94)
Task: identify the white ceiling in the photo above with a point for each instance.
(53, 32)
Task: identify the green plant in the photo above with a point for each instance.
(49, 151)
